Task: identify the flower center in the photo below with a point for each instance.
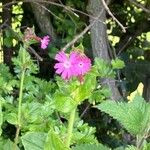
(80, 64)
(67, 64)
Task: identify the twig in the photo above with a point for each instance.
(68, 8)
(35, 53)
(3, 24)
(49, 11)
(85, 110)
(113, 17)
(140, 6)
(77, 37)
(124, 46)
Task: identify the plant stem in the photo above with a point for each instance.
(20, 100)
(70, 127)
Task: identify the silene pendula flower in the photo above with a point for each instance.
(45, 41)
(83, 65)
(65, 65)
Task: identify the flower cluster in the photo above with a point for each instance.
(73, 64)
(45, 41)
(29, 34)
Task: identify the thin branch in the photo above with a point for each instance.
(140, 6)
(113, 17)
(85, 110)
(3, 24)
(124, 46)
(77, 37)
(35, 53)
(49, 11)
(67, 8)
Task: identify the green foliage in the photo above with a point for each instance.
(131, 148)
(83, 133)
(146, 146)
(28, 64)
(63, 102)
(33, 140)
(6, 80)
(117, 63)
(103, 68)
(53, 142)
(1, 116)
(72, 93)
(11, 118)
(133, 115)
(7, 144)
(90, 147)
(119, 148)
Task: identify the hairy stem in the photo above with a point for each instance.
(70, 127)
(20, 100)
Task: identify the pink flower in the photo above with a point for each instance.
(83, 65)
(45, 41)
(65, 65)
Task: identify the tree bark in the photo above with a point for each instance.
(99, 41)
(43, 20)
(6, 18)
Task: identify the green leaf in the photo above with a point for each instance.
(27, 64)
(119, 148)
(85, 90)
(117, 63)
(63, 102)
(103, 68)
(134, 116)
(33, 140)
(80, 47)
(131, 148)
(8, 42)
(146, 146)
(53, 142)
(9, 145)
(12, 118)
(90, 147)
(1, 116)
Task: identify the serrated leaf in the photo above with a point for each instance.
(33, 140)
(103, 68)
(134, 116)
(25, 62)
(53, 142)
(90, 147)
(117, 63)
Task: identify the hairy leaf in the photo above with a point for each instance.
(90, 147)
(134, 116)
(33, 140)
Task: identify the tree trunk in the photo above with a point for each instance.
(42, 17)
(6, 18)
(99, 40)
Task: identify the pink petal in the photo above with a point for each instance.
(65, 74)
(59, 71)
(73, 56)
(61, 56)
(58, 65)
